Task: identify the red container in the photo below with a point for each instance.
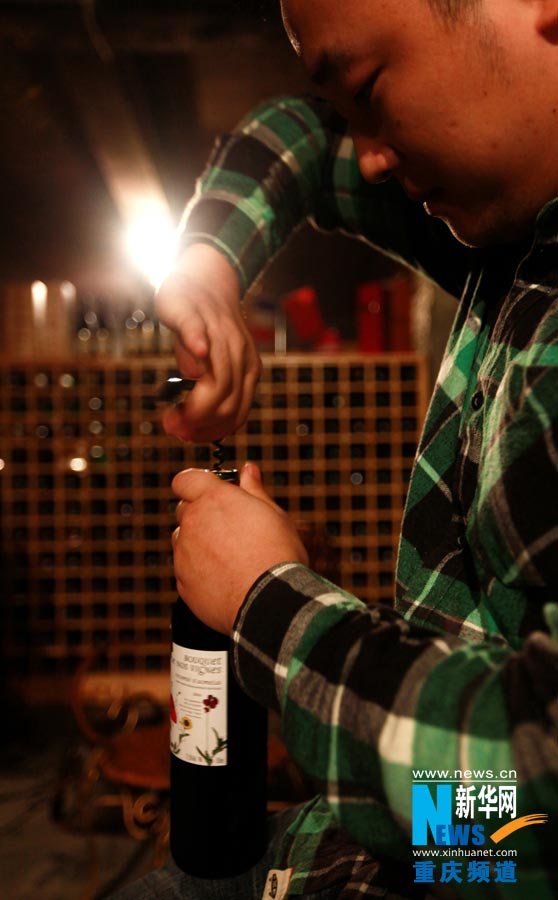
(303, 312)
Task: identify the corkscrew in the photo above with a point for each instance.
(219, 455)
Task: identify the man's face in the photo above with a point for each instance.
(458, 113)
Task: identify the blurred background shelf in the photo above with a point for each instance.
(87, 511)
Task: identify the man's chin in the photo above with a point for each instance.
(480, 230)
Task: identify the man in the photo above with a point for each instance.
(452, 111)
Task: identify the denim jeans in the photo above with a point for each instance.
(171, 883)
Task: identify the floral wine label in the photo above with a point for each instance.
(198, 706)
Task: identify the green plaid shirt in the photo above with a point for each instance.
(463, 674)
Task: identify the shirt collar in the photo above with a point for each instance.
(546, 224)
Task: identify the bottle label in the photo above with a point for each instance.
(199, 706)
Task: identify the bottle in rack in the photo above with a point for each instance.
(218, 754)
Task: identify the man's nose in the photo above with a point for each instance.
(376, 160)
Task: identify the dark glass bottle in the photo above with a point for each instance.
(218, 755)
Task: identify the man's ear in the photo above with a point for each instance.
(547, 19)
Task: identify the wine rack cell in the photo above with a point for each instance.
(87, 511)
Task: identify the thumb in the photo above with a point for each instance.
(251, 482)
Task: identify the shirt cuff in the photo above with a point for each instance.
(208, 224)
(287, 604)
(234, 224)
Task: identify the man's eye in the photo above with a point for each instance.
(363, 95)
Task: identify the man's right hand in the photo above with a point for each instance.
(200, 302)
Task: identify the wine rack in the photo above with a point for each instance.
(87, 510)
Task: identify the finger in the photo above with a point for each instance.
(251, 482)
(204, 423)
(246, 370)
(174, 422)
(249, 386)
(197, 418)
(179, 512)
(175, 535)
(177, 310)
(245, 367)
(215, 387)
(222, 398)
(211, 391)
(191, 484)
(195, 339)
(190, 355)
(220, 401)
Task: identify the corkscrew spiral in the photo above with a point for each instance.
(219, 455)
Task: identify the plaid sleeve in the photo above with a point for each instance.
(293, 160)
(366, 699)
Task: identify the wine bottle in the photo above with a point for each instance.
(218, 775)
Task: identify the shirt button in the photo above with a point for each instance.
(477, 400)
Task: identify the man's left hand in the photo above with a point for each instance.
(227, 537)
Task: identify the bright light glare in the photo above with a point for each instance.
(39, 295)
(151, 241)
(68, 291)
(78, 464)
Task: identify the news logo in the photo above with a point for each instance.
(458, 821)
